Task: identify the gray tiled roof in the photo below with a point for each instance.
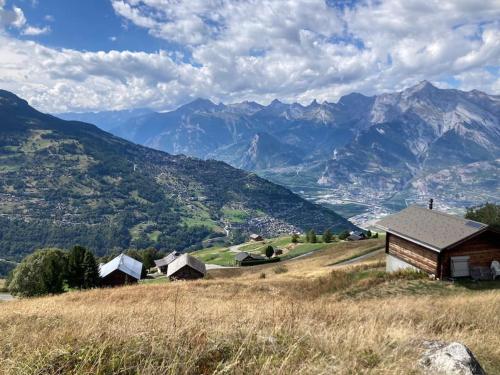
(186, 260)
(124, 263)
(430, 228)
(243, 255)
(165, 261)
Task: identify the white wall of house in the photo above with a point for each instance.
(393, 264)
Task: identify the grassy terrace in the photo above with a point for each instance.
(224, 257)
(299, 317)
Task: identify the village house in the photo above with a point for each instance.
(162, 264)
(356, 236)
(256, 237)
(244, 257)
(121, 270)
(442, 245)
(186, 267)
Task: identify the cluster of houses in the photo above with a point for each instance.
(124, 270)
(442, 245)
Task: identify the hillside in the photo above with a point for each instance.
(63, 183)
(414, 144)
(304, 317)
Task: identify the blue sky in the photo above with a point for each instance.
(79, 55)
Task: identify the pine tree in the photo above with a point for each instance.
(312, 236)
(75, 267)
(269, 251)
(90, 271)
(327, 236)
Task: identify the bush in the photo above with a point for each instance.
(262, 275)
(343, 235)
(295, 238)
(42, 272)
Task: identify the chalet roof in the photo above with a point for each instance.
(354, 237)
(433, 229)
(169, 258)
(243, 255)
(124, 263)
(186, 260)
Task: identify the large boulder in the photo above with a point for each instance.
(449, 359)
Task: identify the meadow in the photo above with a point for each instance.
(303, 316)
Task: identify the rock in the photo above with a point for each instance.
(449, 359)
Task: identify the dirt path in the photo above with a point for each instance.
(216, 266)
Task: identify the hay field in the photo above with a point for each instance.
(307, 318)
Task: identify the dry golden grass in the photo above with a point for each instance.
(347, 320)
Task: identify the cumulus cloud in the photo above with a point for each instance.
(14, 18)
(296, 50)
(11, 17)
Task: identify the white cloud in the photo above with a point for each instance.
(32, 30)
(261, 49)
(11, 18)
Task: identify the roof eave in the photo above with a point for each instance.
(426, 245)
(466, 238)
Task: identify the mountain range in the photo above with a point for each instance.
(67, 182)
(418, 143)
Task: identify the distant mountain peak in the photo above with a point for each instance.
(421, 87)
(200, 104)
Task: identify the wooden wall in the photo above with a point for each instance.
(412, 253)
(117, 278)
(482, 249)
(186, 273)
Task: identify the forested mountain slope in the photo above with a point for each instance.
(67, 182)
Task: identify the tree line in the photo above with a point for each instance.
(54, 271)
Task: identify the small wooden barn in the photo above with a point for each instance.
(186, 267)
(162, 264)
(244, 257)
(256, 237)
(440, 244)
(121, 270)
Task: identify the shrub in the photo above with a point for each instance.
(262, 275)
(42, 272)
(343, 235)
(295, 238)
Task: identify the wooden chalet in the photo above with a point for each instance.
(256, 237)
(442, 245)
(186, 267)
(244, 257)
(162, 264)
(121, 270)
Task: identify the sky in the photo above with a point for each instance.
(93, 55)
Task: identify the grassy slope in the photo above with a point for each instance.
(308, 320)
(223, 257)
